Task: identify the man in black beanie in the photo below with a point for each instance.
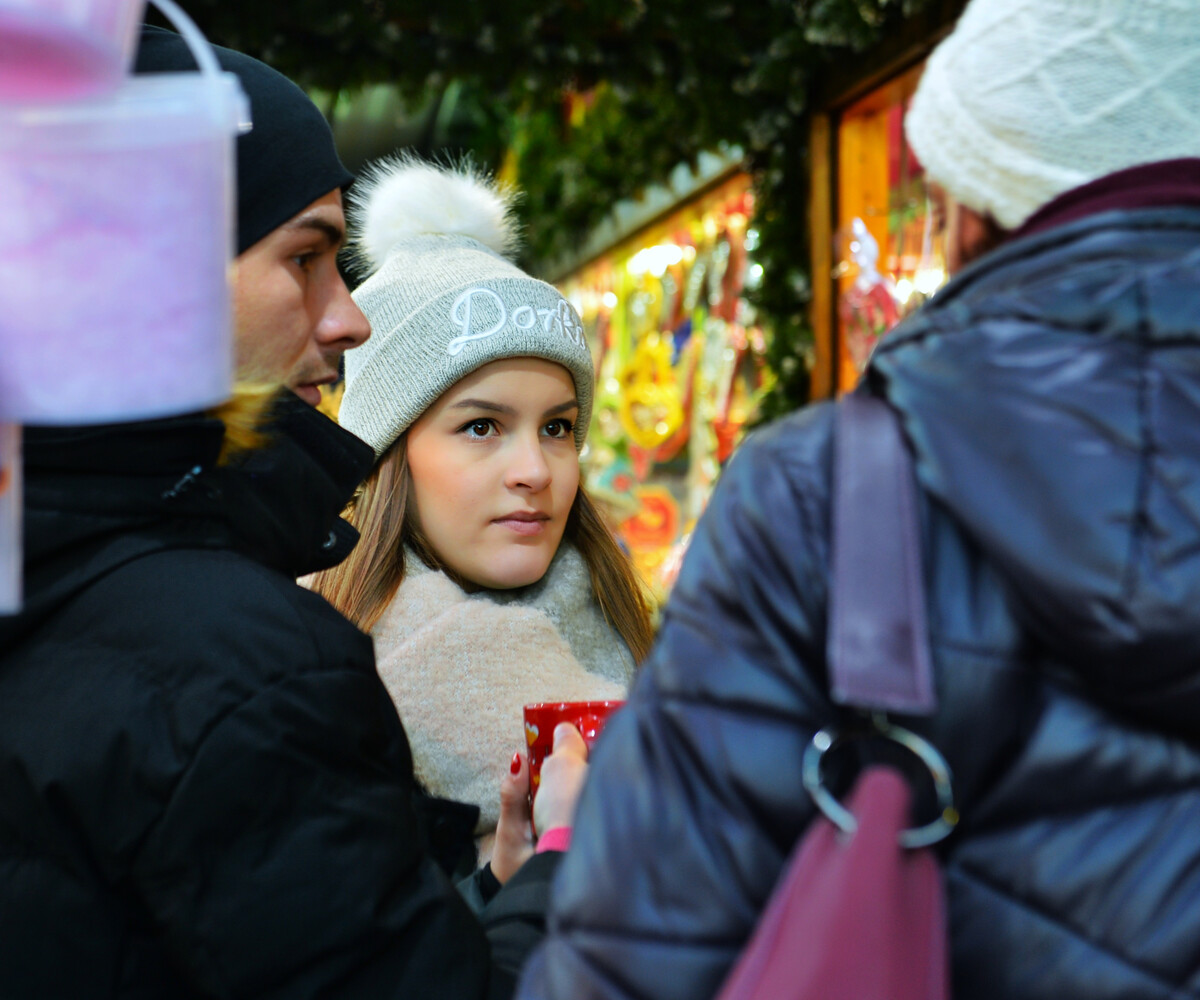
(205, 790)
(293, 316)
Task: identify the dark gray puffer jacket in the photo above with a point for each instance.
(1051, 394)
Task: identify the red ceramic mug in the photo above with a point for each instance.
(588, 717)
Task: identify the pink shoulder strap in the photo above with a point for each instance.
(878, 647)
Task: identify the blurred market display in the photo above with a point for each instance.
(680, 366)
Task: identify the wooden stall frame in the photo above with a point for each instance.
(822, 199)
(896, 55)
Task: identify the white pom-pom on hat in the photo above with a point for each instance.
(402, 197)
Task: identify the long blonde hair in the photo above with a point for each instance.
(362, 585)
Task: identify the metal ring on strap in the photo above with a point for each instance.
(843, 819)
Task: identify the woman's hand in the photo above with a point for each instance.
(514, 830)
(563, 774)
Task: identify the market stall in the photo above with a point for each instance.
(877, 249)
(889, 248)
(679, 354)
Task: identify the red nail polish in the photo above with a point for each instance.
(515, 766)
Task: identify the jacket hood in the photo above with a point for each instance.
(97, 497)
(1051, 394)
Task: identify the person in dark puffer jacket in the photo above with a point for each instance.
(1051, 397)
(205, 790)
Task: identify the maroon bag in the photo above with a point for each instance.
(858, 913)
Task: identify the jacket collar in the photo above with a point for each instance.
(1150, 185)
(285, 499)
(96, 497)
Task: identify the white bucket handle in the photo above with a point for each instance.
(202, 52)
(201, 49)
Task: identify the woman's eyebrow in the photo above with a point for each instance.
(490, 407)
(483, 404)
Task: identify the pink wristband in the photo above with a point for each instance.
(556, 839)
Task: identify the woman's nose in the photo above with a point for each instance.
(528, 467)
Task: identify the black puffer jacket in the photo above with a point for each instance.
(204, 787)
(1052, 396)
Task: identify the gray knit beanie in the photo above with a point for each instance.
(1028, 99)
(444, 299)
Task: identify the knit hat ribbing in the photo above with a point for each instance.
(1028, 99)
(443, 301)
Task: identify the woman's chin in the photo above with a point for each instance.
(509, 575)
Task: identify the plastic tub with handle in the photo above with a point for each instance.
(53, 49)
(115, 247)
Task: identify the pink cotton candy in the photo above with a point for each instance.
(55, 49)
(39, 61)
(114, 256)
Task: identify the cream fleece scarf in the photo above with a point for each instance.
(460, 667)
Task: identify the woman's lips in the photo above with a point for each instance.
(523, 525)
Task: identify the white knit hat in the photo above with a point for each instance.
(1028, 99)
(444, 300)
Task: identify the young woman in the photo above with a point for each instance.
(484, 572)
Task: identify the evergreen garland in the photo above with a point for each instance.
(667, 79)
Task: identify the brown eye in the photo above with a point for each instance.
(478, 428)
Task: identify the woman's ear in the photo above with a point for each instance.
(969, 235)
(977, 235)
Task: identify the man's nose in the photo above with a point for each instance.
(342, 324)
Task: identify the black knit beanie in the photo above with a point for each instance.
(287, 161)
